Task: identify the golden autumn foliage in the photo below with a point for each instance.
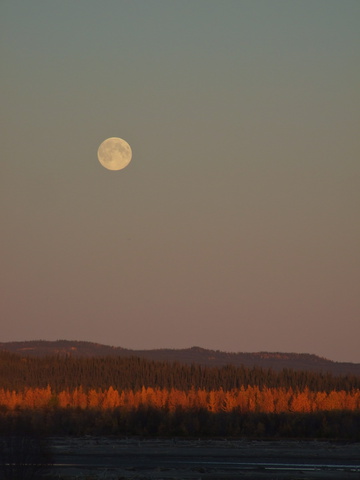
(243, 400)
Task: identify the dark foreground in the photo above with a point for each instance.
(93, 458)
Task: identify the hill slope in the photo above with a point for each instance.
(196, 355)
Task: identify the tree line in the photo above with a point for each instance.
(135, 396)
(132, 373)
(243, 400)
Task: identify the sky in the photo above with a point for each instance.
(236, 225)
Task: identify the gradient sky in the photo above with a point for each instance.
(235, 227)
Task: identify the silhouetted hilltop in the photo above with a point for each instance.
(195, 355)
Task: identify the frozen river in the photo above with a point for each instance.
(111, 458)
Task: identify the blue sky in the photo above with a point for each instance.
(236, 225)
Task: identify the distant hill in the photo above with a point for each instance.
(196, 355)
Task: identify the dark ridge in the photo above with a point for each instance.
(276, 361)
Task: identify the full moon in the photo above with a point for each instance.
(114, 153)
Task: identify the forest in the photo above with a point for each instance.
(134, 396)
(123, 373)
